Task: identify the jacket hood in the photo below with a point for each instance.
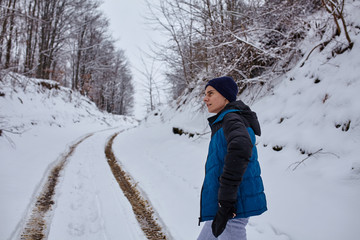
(246, 113)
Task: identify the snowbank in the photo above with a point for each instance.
(39, 120)
(309, 152)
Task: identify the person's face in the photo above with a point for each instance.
(215, 102)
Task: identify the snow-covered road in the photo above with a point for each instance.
(89, 202)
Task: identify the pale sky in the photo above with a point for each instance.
(127, 25)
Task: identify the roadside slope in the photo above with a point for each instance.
(39, 121)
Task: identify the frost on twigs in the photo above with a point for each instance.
(295, 165)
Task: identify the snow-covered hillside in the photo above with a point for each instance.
(39, 121)
(309, 148)
(309, 154)
(27, 102)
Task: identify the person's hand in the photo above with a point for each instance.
(225, 212)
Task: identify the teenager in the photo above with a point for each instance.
(233, 189)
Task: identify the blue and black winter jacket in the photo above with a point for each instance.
(232, 170)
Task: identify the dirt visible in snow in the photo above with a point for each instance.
(36, 226)
(141, 207)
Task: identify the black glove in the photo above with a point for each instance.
(225, 212)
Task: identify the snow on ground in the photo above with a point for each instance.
(312, 181)
(38, 126)
(169, 169)
(90, 203)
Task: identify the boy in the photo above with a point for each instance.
(233, 189)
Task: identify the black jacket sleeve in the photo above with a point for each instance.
(239, 149)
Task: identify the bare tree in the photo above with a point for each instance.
(150, 73)
(32, 26)
(67, 41)
(336, 9)
(123, 96)
(7, 18)
(243, 39)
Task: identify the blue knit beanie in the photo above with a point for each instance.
(226, 86)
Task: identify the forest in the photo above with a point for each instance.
(73, 154)
(66, 41)
(253, 41)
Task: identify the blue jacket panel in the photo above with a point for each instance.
(249, 192)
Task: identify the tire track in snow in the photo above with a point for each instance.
(141, 207)
(36, 225)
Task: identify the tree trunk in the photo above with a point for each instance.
(4, 27)
(9, 42)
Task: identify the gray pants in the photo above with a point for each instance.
(235, 229)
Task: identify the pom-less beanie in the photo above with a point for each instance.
(226, 86)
